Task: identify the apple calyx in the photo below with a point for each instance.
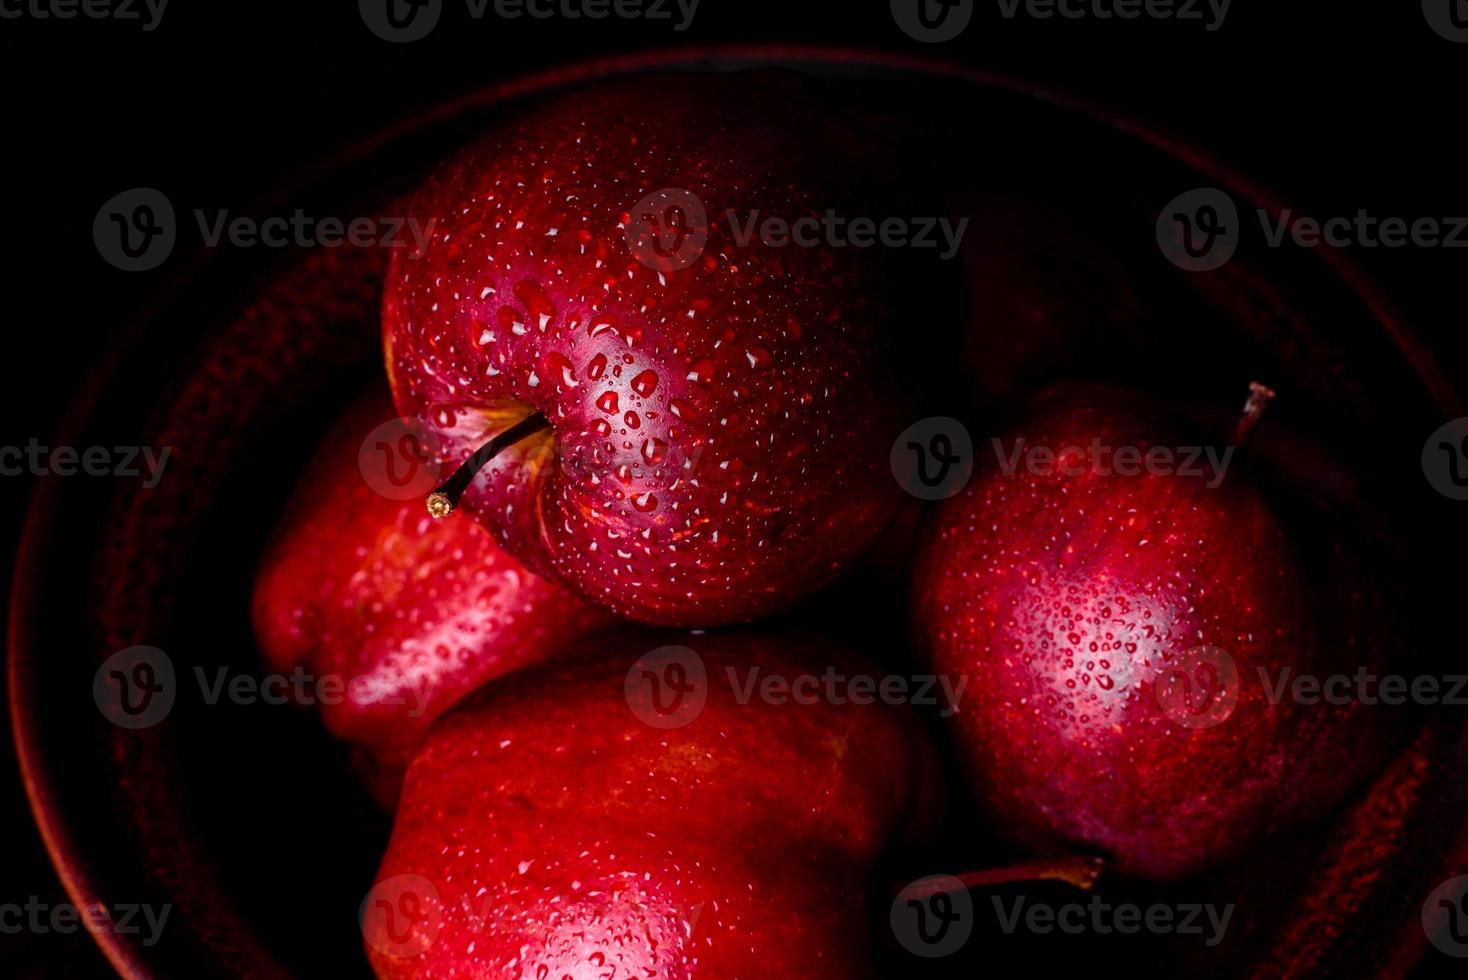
(1260, 395)
(1078, 872)
(442, 501)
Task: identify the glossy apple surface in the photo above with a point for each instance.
(719, 432)
(409, 613)
(560, 834)
(1087, 611)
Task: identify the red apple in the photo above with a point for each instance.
(1088, 611)
(548, 830)
(717, 434)
(409, 613)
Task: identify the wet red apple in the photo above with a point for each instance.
(1125, 639)
(407, 613)
(548, 830)
(690, 428)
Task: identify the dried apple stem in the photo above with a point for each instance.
(441, 502)
(1078, 872)
(1260, 396)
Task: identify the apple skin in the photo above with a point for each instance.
(410, 612)
(719, 433)
(564, 836)
(1066, 599)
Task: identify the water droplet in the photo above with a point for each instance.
(644, 383)
(654, 451)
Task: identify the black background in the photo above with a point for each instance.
(1338, 107)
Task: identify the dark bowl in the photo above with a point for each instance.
(246, 820)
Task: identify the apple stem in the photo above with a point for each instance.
(442, 501)
(1079, 872)
(1260, 395)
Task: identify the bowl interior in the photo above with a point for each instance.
(245, 817)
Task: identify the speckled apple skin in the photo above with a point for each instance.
(1064, 598)
(720, 432)
(356, 585)
(566, 837)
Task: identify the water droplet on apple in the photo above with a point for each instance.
(644, 383)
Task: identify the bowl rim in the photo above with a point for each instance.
(37, 776)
